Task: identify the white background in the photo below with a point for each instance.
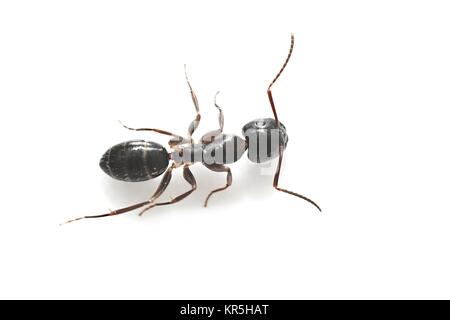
(365, 99)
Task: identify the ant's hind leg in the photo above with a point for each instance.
(163, 184)
(176, 139)
(112, 213)
(159, 191)
(189, 177)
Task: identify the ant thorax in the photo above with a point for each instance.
(187, 153)
(223, 149)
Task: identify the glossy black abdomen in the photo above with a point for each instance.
(135, 160)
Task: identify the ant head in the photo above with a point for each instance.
(264, 139)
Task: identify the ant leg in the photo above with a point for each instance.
(209, 137)
(221, 117)
(277, 176)
(162, 186)
(112, 213)
(219, 168)
(194, 124)
(189, 177)
(176, 139)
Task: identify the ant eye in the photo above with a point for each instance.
(260, 123)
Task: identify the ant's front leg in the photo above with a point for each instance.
(210, 136)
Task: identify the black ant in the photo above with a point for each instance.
(140, 160)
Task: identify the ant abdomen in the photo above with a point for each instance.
(135, 161)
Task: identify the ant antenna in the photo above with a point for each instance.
(281, 150)
(269, 91)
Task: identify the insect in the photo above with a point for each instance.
(139, 160)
